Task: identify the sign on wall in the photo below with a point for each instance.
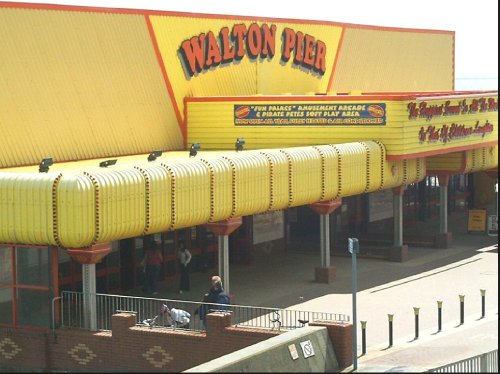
(303, 114)
(380, 205)
(307, 348)
(477, 220)
(208, 51)
(447, 121)
(268, 226)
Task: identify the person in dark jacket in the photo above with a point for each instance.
(216, 295)
(203, 310)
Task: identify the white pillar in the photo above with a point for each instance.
(443, 203)
(89, 296)
(324, 239)
(223, 246)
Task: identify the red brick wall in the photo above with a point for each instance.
(341, 337)
(23, 348)
(132, 349)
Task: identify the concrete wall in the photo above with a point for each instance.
(304, 350)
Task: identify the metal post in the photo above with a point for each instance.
(223, 247)
(440, 306)
(462, 297)
(483, 303)
(391, 316)
(324, 239)
(89, 296)
(363, 337)
(443, 208)
(354, 249)
(416, 310)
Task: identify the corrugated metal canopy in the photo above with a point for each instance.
(78, 204)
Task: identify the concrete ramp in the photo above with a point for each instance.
(306, 349)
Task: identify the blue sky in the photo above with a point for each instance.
(475, 23)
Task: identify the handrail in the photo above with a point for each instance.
(482, 363)
(148, 308)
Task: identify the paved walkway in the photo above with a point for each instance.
(287, 281)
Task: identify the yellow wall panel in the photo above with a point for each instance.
(415, 170)
(469, 161)
(7, 208)
(375, 159)
(393, 175)
(491, 157)
(464, 162)
(158, 201)
(221, 187)
(403, 172)
(392, 60)
(191, 193)
(305, 175)
(120, 204)
(353, 175)
(35, 222)
(80, 85)
(279, 179)
(76, 218)
(329, 173)
(484, 158)
(450, 162)
(26, 208)
(251, 189)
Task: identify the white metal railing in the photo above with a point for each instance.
(483, 363)
(72, 313)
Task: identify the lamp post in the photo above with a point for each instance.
(353, 250)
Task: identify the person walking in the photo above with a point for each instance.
(184, 257)
(152, 263)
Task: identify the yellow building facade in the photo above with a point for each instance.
(327, 111)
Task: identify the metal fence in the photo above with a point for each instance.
(483, 363)
(72, 313)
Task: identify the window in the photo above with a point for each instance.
(32, 266)
(5, 266)
(27, 285)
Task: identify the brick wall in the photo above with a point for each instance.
(131, 348)
(341, 337)
(23, 349)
